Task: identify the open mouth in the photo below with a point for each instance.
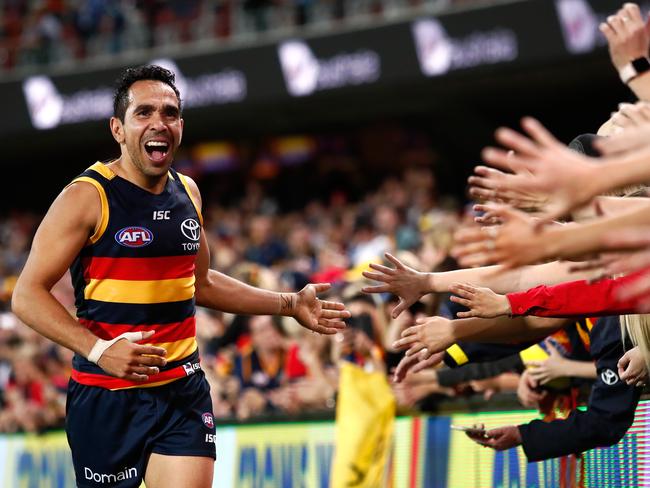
(157, 150)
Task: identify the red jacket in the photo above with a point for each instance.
(575, 299)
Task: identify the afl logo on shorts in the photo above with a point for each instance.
(134, 236)
(191, 229)
(208, 420)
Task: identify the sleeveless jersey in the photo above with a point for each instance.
(136, 273)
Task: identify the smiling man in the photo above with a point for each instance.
(131, 233)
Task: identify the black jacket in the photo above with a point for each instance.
(612, 403)
(609, 413)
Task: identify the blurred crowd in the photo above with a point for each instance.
(40, 32)
(34, 371)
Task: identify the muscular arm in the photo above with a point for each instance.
(221, 292)
(63, 232)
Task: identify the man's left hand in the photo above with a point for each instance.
(320, 316)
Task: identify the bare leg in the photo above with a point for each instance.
(179, 471)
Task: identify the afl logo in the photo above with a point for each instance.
(208, 420)
(191, 229)
(134, 236)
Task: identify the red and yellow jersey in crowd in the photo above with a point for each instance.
(136, 272)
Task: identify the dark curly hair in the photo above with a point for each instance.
(130, 76)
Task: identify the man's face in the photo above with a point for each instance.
(152, 127)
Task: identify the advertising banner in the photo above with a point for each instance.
(425, 453)
(283, 455)
(41, 461)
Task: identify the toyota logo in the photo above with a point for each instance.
(191, 229)
(609, 377)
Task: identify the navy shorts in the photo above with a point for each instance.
(112, 433)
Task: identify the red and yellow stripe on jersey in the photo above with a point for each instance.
(144, 281)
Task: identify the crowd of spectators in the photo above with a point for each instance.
(41, 32)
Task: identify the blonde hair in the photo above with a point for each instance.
(637, 328)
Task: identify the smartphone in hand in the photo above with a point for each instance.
(471, 430)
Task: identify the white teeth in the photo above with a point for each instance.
(157, 143)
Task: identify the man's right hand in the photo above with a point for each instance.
(402, 280)
(134, 362)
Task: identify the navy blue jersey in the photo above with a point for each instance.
(136, 272)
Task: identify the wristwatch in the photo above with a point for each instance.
(633, 69)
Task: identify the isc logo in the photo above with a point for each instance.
(134, 236)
